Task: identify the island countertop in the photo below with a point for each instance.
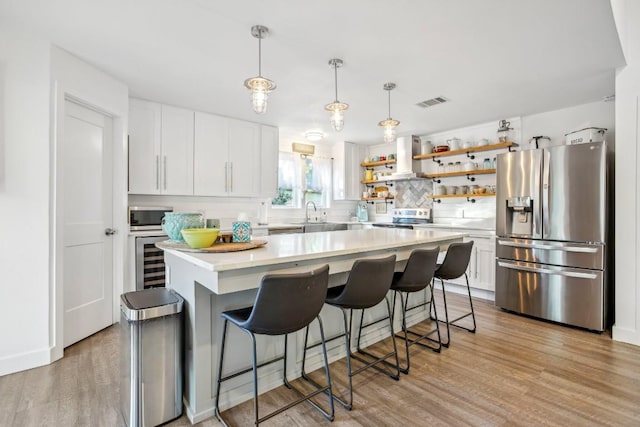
(287, 248)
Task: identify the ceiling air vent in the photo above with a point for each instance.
(433, 101)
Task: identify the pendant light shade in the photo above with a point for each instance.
(336, 108)
(259, 86)
(389, 124)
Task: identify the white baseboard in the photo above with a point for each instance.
(475, 293)
(629, 336)
(23, 361)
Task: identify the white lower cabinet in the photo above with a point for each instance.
(483, 264)
(481, 269)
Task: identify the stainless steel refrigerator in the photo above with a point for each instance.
(551, 223)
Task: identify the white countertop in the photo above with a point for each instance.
(300, 247)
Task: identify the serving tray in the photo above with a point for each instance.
(215, 248)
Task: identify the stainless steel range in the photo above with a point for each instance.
(407, 218)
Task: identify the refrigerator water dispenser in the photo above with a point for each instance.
(519, 216)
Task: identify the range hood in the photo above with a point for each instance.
(407, 167)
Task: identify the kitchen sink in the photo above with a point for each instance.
(313, 227)
(309, 227)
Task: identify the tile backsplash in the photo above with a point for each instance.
(413, 193)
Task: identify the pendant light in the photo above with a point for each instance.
(259, 86)
(389, 124)
(336, 108)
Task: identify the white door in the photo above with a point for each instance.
(87, 199)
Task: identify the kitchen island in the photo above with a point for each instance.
(214, 282)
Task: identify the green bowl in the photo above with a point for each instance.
(198, 238)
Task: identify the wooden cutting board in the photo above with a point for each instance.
(216, 248)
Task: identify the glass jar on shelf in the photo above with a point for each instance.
(504, 132)
(450, 167)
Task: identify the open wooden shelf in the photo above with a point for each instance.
(376, 199)
(452, 196)
(461, 173)
(381, 163)
(465, 150)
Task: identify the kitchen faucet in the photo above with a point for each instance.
(306, 210)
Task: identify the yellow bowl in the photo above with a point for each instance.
(198, 238)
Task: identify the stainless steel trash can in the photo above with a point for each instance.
(151, 333)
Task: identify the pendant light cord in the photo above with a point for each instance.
(389, 91)
(335, 70)
(260, 54)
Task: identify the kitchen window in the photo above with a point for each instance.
(303, 179)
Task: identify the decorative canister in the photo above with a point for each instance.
(174, 222)
(241, 231)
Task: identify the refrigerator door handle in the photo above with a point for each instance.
(546, 159)
(547, 271)
(550, 247)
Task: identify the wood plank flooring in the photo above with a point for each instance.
(513, 371)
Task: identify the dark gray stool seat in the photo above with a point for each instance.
(285, 303)
(367, 285)
(417, 276)
(455, 265)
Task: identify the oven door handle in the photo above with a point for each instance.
(547, 271)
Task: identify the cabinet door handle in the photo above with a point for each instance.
(226, 176)
(165, 172)
(476, 272)
(157, 172)
(231, 177)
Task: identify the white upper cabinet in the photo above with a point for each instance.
(234, 157)
(210, 160)
(177, 151)
(269, 162)
(244, 158)
(346, 170)
(144, 147)
(160, 149)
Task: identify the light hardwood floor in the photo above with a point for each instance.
(513, 371)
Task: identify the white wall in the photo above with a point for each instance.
(24, 200)
(555, 124)
(29, 67)
(627, 217)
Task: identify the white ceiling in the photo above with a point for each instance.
(493, 58)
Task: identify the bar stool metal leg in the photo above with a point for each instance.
(404, 304)
(320, 389)
(453, 322)
(219, 380)
(380, 358)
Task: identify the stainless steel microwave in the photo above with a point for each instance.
(147, 217)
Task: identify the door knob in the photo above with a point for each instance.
(109, 231)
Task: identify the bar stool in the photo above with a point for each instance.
(285, 303)
(367, 285)
(455, 265)
(417, 276)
